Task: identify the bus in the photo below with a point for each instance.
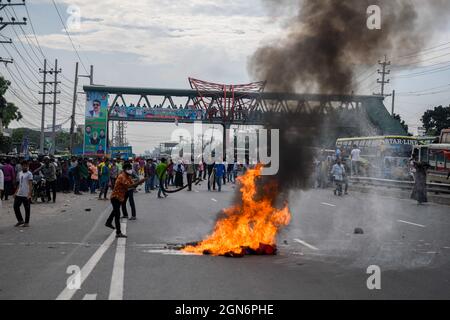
(445, 136)
(437, 156)
(384, 157)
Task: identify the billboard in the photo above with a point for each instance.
(125, 113)
(122, 152)
(96, 124)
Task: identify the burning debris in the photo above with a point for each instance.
(248, 228)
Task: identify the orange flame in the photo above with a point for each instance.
(247, 225)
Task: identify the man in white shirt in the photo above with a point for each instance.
(356, 158)
(23, 195)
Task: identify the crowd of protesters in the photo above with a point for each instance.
(42, 178)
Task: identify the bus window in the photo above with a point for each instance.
(432, 159)
(440, 160)
(423, 154)
(416, 153)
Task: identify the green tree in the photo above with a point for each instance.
(8, 111)
(402, 122)
(435, 120)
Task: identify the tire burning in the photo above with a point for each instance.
(249, 227)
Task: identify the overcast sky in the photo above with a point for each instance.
(160, 43)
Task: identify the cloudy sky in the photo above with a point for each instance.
(160, 43)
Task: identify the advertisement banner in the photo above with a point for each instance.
(122, 152)
(125, 113)
(96, 124)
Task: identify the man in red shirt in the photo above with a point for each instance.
(122, 185)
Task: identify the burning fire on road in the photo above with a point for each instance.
(249, 227)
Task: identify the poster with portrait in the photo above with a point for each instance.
(96, 124)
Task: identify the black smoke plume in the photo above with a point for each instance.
(319, 52)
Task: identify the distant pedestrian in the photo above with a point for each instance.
(48, 170)
(104, 171)
(9, 176)
(211, 176)
(114, 173)
(356, 159)
(129, 197)
(190, 172)
(338, 173)
(123, 184)
(23, 196)
(150, 172)
(161, 172)
(179, 172)
(219, 171)
(419, 191)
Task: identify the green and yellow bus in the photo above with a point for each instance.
(382, 156)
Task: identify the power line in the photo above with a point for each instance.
(68, 35)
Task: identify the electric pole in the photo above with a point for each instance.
(72, 117)
(55, 102)
(44, 92)
(12, 21)
(383, 72)
(75, 97)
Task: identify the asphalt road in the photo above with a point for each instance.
(319, 255)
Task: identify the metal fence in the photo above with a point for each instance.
(397, 184)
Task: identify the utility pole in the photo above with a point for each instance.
(74, 103)
(12, 21)
(90, 75)
(44, 83)
(393, 102)
(55, 102)
(72, 118)
(384, 64)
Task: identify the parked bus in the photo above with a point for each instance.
(445, 136)
(437, 156)
(382, 156)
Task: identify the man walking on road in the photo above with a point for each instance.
(123, 184)
(356, 158)
(23, 196)
(338, 173)
(49, 172)
(219, 169)
(104, 171)
(190, 171)
(150, 171)
(161, 172)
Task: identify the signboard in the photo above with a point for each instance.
(96, 124)
(122, 152)
(138, 113)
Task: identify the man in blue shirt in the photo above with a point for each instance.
(219, 169)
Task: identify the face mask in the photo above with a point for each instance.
(129, 171)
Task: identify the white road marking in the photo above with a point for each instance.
(213, 199)
(171, 252)
(67, 294)
(90, 297)
(306, 244)
(118, 274)
(412, 223)
(328, 204)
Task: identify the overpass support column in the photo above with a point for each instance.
(226, 127)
